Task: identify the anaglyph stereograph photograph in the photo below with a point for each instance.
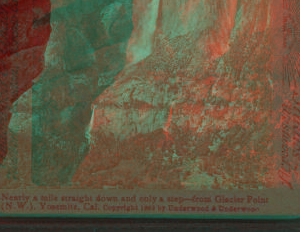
(149, 94)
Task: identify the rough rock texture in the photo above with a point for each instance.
(196, 111)
(24, 33)
(166, 94)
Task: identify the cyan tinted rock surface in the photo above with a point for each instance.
(166, 94)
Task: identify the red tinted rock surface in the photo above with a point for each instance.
(196, 111)
(25, 29)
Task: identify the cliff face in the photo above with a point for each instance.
(25, 29)
(85, 51)
(165, 94)
(197, 109)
